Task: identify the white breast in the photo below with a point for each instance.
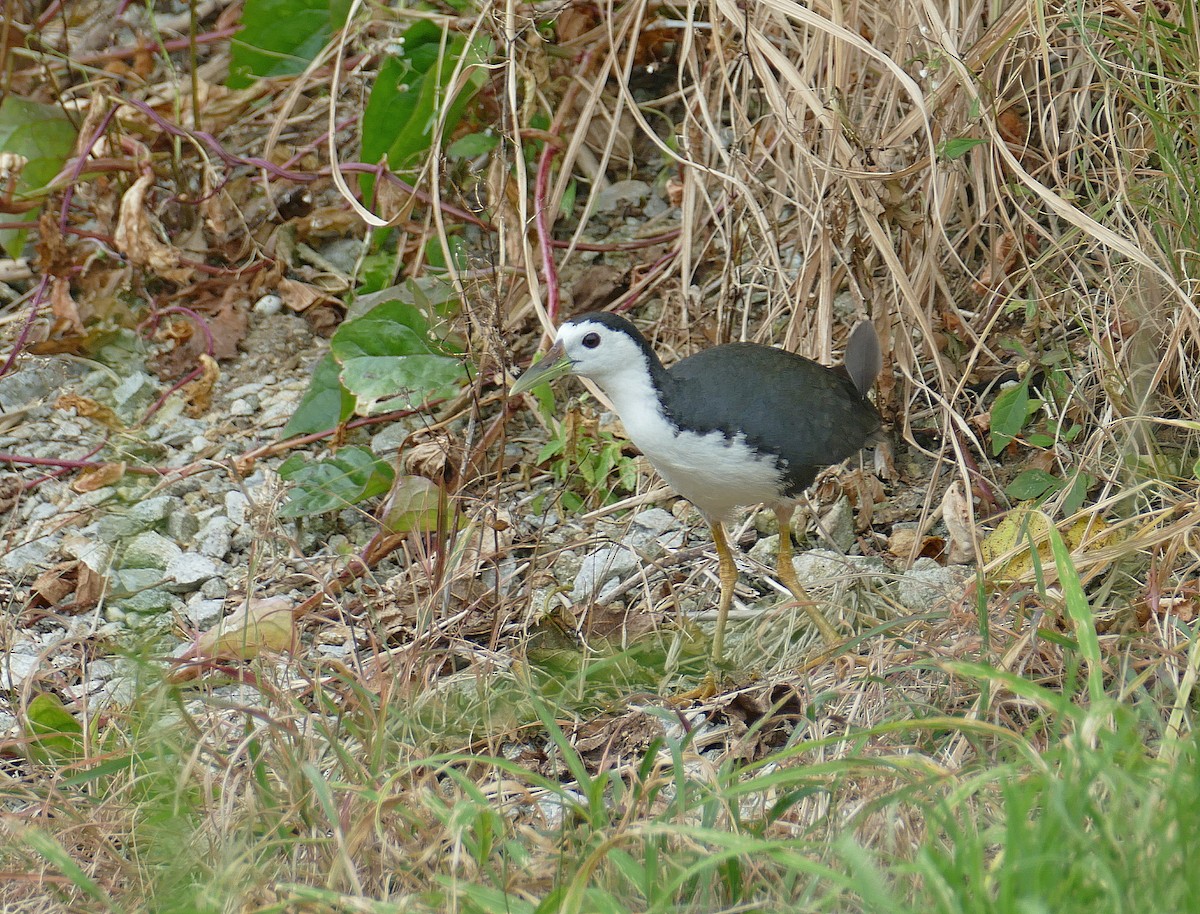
(714, 473)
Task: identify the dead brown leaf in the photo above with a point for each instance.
(87, 408)
(67, 321)
(907, 543)
(93, 478)
(1007, 251)
(956, 512)
(198, 393)
(139, 235)
(54, 584)
(299, 296)
(55, 587)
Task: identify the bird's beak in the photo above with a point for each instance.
(554, 364)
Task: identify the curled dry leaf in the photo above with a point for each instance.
(99, 477)
(906, 544)
(199, 392)
(70, 587)
(139, 236)
(67, 321)
(1006, 251)
(254, 627)
(432, 455)
(87, 408)
(1013, 128)
(956, 512)
(299, 296)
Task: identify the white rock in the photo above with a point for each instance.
(268, 305)
(189, 570)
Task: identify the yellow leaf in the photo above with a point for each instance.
(260, 625)
(1010, 540)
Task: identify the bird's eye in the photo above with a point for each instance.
(591, 341)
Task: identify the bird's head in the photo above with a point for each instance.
(599, 346)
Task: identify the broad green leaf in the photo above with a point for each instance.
(1032, 483)
(281, 37)
(1008, 415)
(51, 731)
(414, 505)
(1080, 484)
(44, 136)
(960, 146)
(430, 294)
(472, 145)
(388, 353)
(325, 404)
(409, 95)
(352, 475)
(459, 250)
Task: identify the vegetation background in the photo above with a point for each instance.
(1007, 190)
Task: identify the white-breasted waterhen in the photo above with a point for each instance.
(738, 424)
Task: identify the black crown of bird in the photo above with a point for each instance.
(735, 425)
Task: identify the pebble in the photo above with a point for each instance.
(149, 550)
(204, 613)
(268, 305)
(235, 507)
(606, 566)
(29, 558)
(189, 570)
(621, 195)
(214, 538)
(819, 568)
(928, 585)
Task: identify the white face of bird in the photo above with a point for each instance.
(589, 349)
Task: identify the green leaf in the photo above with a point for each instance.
(281, 37)
(388, 353)
(1080, 613)
(353, 475)
(379, 268)
(326, 403)
(472, 145)
(1032, 483)
(1008, 415)
(414, 506)
(51, 731)
(44, 136)
(409, 95)
(960, 146)
(551, 448)
(1080, 483)
(459, 250)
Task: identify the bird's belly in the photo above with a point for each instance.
(715, 473)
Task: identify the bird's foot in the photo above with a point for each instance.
(713, 683)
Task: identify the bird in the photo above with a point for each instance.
(734, 425)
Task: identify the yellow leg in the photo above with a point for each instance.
(727, 571)
(787, 574)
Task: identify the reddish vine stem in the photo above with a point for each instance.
(156, 47)
(541, 186)
(22, 460)
(35, 306)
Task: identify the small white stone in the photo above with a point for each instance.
(269, 304)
